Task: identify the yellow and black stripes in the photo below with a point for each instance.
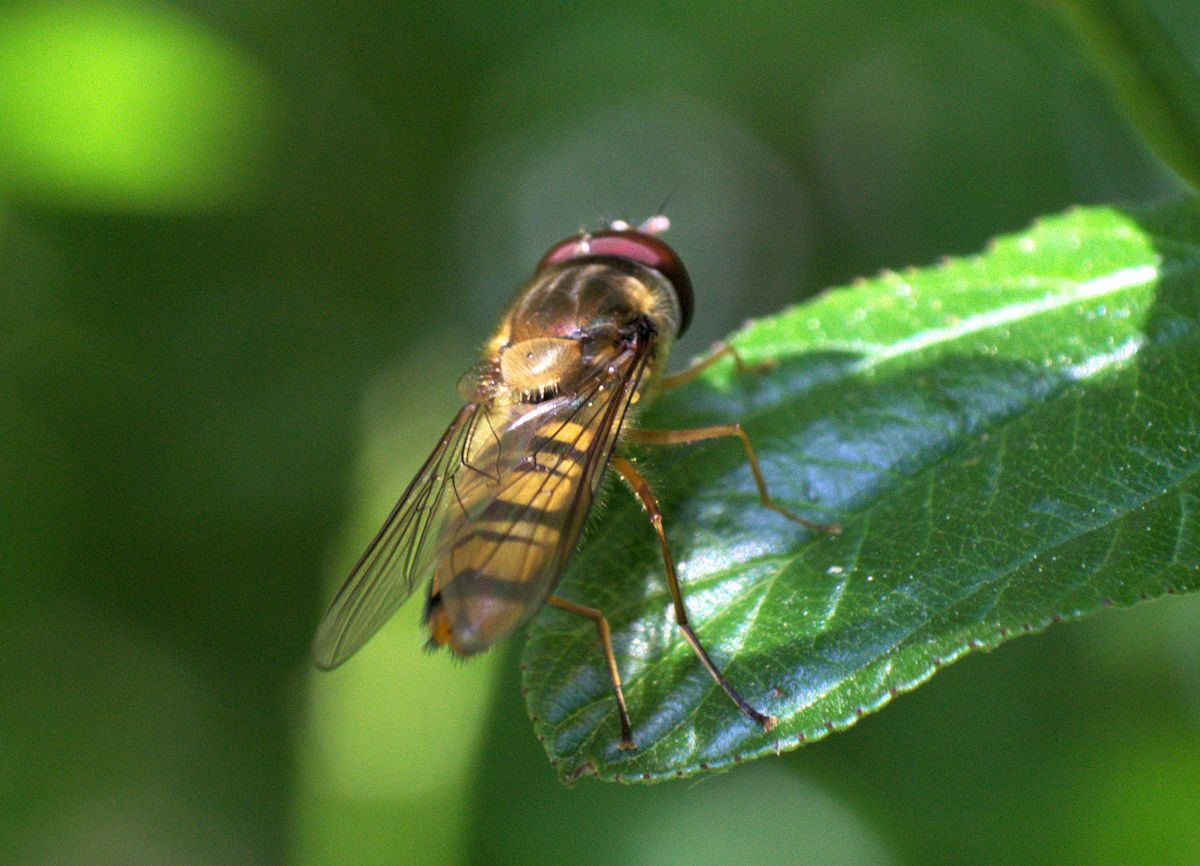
(495, 511)
(508, 544)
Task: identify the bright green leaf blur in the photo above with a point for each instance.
(127, 106)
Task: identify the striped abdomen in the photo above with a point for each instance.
(514, 521)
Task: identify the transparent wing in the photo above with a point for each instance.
(519, 525)
(394, 562)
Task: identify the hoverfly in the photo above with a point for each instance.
(496, 510)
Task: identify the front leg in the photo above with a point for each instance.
(721, 350)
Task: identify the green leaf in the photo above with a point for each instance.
(1008, 440)
(1154, 82)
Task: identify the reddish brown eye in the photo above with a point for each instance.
(633, 245)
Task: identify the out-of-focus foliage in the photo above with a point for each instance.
(127, 107)
(245, 251)
(1155, 82)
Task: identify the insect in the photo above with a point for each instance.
(496, 510)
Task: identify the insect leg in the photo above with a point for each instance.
(642, 489)
(606, 642)
(700, 434)
(721, 350)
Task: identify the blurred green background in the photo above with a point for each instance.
(246, 251)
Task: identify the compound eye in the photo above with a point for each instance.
(636, 246)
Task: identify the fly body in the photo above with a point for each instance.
(497, 509)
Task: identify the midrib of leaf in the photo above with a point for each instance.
(1110, 284)
(1072, 292)
(1139, 276)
